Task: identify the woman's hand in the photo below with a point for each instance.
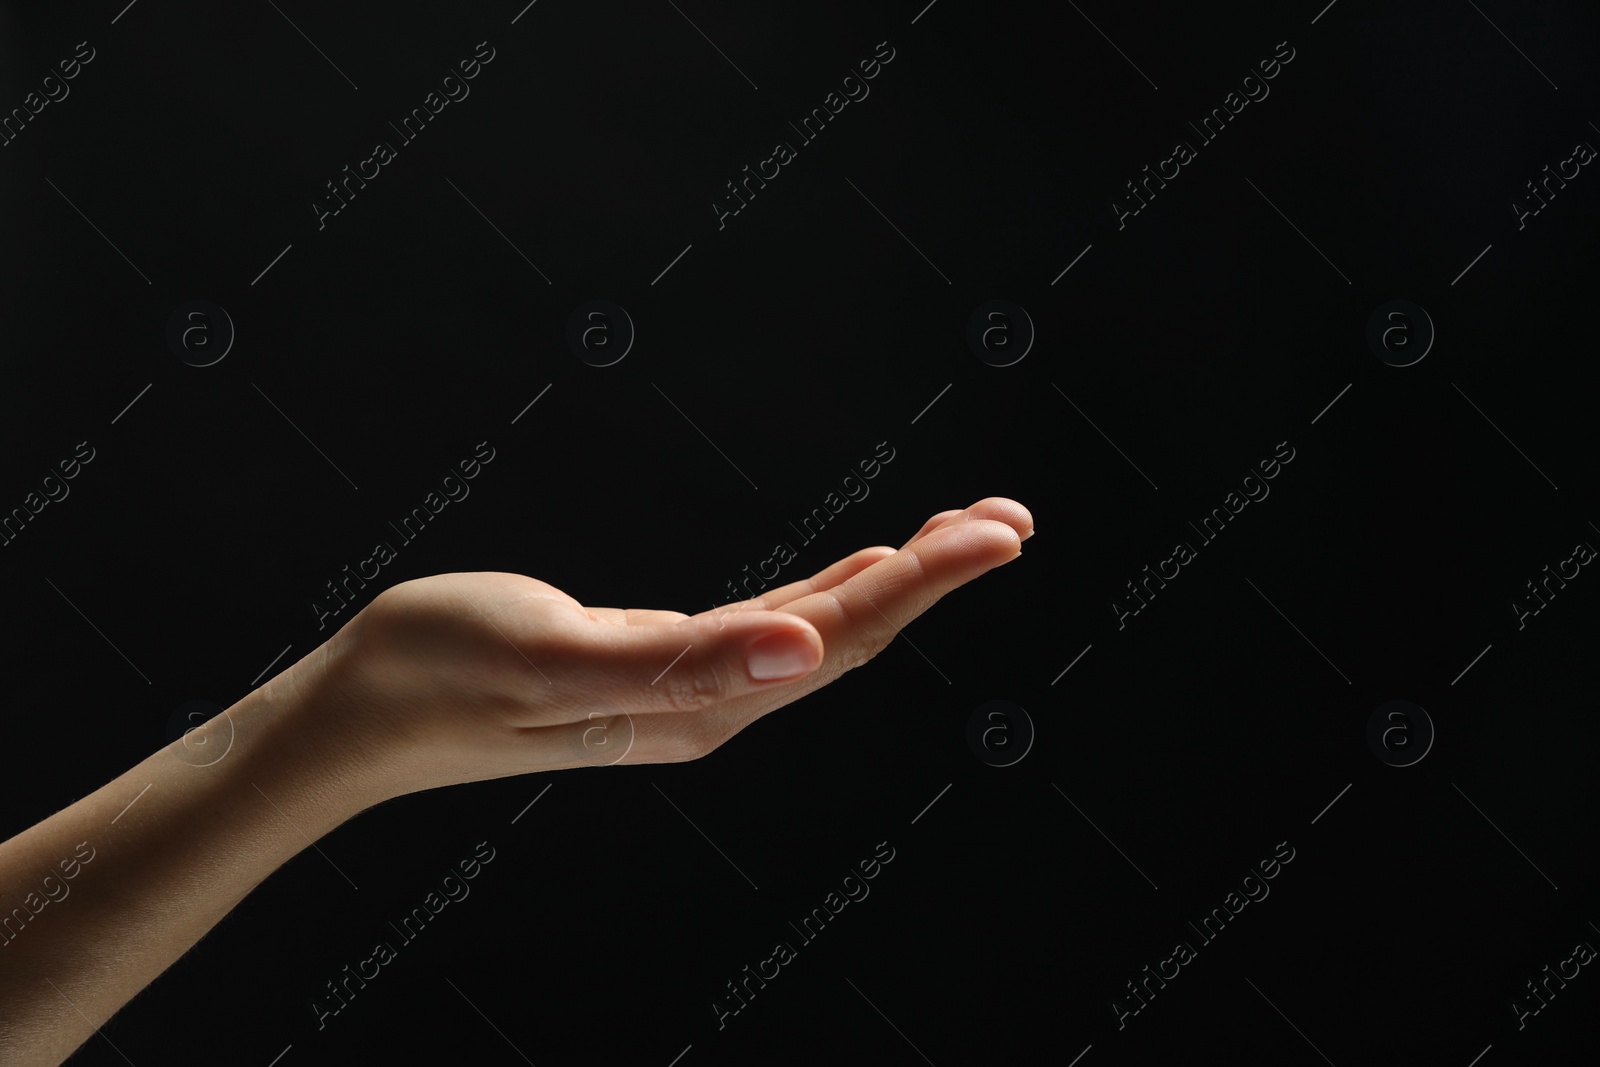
(452, 678)
(464, 677)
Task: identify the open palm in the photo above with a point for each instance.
(463, 677)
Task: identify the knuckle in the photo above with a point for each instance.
(857, 655)
(882, 636)
(691, 685)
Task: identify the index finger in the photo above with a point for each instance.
(859, 617)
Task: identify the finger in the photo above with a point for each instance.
(998, 508)
(858, 618)
(826, 578)
(653, 617)
(636, 616)
(689, 666)
(617, 616)
(932, 525)
(991, 507)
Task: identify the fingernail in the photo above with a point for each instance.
(1028, 534)
(785, 655)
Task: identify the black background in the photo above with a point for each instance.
(1174, 754)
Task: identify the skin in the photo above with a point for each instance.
(443, 680)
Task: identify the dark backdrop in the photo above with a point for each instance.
(1166, 355)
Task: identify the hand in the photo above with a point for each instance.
(450, 678)
(469, 676)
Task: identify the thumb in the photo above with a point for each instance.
(698, 662)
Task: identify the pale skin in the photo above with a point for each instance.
(444, 680)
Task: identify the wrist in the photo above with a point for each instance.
(297, 732)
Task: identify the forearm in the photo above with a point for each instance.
(101, 897)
